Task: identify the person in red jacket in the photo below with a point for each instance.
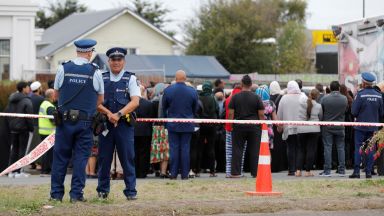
(228, 133)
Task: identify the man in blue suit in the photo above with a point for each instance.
(179, 101)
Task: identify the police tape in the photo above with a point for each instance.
(47, 143)
(224, 121)
(35, 154)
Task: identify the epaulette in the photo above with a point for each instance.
(131, 73)
(65, 62)
(95, 66)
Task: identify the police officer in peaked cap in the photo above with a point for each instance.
(367, 107)
(80, 88)
(122, 95)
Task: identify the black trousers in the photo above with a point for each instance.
(291, 142)
(253, 144)
(46, 161)
(207, 140)
(194, 152)
(305, 150)
(19, 142)
(142, 155)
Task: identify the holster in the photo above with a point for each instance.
(99, 123)
(57, 117)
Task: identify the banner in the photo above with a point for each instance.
(365, 54)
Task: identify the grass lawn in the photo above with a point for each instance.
(200, 197)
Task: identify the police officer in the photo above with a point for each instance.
(46, 127)
(80, 88)
(367, 107)
(122, 94)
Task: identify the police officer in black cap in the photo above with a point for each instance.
(367, 107)
(122, 95)
(80, 88)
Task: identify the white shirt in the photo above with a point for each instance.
(98, 82)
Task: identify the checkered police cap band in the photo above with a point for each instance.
(90, 49)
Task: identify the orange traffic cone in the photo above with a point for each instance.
(264, 176)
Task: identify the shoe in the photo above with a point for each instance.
(325, 174)
(102, 195)
(11, 175)
(184, 178)
(134, 197)
(75, 200)
(21, 175)
(291, 173)
(55, 199)
(236, 176)
(197, 175)
(368, 176)
(354, 175)
(163, 176)
(341, 173)
(212, 175)
(157, 173)
(172, 178)
(93, 177)
(373, 172)
(191, 174)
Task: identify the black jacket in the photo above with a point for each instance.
(20, 103)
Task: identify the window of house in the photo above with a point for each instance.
(132, 51)
(5, 53)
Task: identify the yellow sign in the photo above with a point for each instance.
(320, 37)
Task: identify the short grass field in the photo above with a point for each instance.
(200, 197)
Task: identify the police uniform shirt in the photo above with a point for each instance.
(133, 86)
(98, 82)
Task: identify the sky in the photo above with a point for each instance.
(321, 14)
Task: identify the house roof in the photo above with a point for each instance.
(194, 66)
(78, 25)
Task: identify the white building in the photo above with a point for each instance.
(17, 38)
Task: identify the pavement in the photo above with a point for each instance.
(35, 179)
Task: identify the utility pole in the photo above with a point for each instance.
(363, 8)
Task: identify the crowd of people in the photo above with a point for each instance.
(212, 148)
(96, 130)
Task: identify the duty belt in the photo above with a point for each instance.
(76, 115)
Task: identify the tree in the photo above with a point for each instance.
(153, 12)
(235, 31)
(56, 11)
(292, 50)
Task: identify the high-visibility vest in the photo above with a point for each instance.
(46, 127)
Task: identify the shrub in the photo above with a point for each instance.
(6, 89)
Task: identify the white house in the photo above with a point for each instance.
(17, 38)
(115, 27)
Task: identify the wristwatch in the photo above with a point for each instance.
(119, 114)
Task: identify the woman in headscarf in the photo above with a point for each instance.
(269, 110)
(275, 92)
(279, 151)
(288, 110)
(210, 110)
(159, 144)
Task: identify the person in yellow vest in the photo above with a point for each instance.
(46, 127)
